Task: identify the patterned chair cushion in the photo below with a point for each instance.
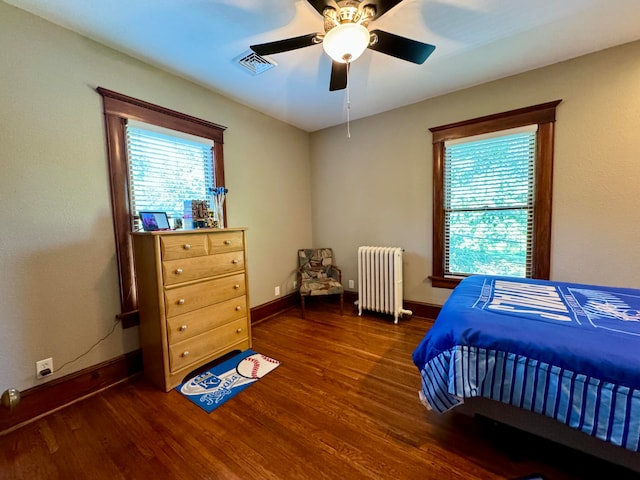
(320, 287)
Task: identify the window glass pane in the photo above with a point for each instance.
(488, 200)
(494, 242)
(166, 170)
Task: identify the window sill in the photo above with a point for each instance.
(129, 319)
(444, 282)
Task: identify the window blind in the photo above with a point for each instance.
(489, 185)
(166, 168)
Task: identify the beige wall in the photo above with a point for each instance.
(57, 252)
(376, 187)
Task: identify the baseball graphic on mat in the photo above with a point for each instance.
(256, 366)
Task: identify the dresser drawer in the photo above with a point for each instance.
(185, 299)
(225, 242)
(194, 323)
(185, 353)
(187, 269)
(183, 246)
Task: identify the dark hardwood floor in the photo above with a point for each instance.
(343, 404)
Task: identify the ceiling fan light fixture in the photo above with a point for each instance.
(346, 42)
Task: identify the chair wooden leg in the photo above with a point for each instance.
(341, 302)
(302, 303)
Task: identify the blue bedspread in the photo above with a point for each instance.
(568, 351)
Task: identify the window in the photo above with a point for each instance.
(492, 195)
(488, 203)
(165, 169)
(119, 110)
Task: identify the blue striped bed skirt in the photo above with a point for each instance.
(599, 408)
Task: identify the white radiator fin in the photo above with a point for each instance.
(380, 280)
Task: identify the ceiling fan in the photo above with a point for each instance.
(346, 37)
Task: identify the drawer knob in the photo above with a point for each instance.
(181, 301)
(238, 308)
(235, 261)
(185, 353)
(183, 328)
(178, 271)
(239, 330)
(236, 286)
(187, 246)
(227, 242)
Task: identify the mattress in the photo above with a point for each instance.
(568, 351)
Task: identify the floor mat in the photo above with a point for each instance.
(214, 387)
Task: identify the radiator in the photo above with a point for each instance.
(380, 281)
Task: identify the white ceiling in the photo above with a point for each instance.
(476, 41)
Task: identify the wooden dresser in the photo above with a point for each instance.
(193, 299)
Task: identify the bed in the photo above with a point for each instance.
(570, 352)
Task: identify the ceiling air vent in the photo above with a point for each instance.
(255, 63)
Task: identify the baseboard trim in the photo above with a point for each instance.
(269, 309)
(423, 310)
(44, 399)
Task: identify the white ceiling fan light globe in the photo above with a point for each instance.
(346, 42)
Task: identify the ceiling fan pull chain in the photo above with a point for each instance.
(348, 103)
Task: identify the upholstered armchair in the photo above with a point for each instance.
(317, 275)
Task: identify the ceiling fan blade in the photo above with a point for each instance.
(401, 47)
(338, 76)
(285, 45)
(320, 5)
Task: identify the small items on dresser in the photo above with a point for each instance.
(199, 212)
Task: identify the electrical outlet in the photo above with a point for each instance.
(351, 284)
(277, 290)
(295, 284)
(44, 368)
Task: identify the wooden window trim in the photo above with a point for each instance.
(544, 115)
(118, 108)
